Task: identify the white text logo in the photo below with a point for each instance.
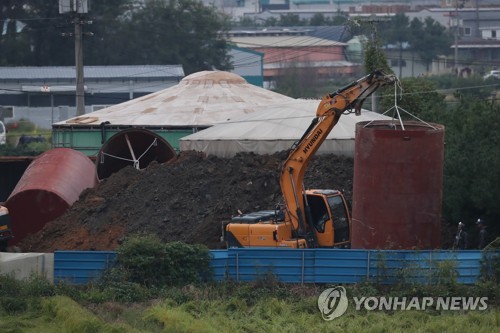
(332, 303)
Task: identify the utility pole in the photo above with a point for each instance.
(80, 88)
(76, 8)
(457, 27)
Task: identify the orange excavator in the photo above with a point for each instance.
(308, 218)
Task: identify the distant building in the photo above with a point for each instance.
(286, 48)
(248, 64)
(477, 37)
(45, 95)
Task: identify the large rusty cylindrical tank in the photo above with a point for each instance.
(397, 186)
(51, 184)
(132, 147)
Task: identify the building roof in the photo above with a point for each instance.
(90, 72)
(282, 41)
(478, 44)
(199, 100)
(339, 33)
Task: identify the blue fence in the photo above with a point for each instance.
(301, 266)
(79, 267)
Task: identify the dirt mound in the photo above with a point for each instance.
(185, 199)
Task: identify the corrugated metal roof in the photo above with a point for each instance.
(90, 72)
(199, 100)
(283, 41)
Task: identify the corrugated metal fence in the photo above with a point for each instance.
(79, 267)
(302, 266)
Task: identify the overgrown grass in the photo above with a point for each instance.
(128, 300)
(262, 306)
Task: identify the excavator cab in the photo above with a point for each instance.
(329, 214)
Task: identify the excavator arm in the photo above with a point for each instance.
(328, 113)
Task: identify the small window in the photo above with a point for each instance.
(319, 212)
(467, 31)
(493, 34)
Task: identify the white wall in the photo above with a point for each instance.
(22, 265)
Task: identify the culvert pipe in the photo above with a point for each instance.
(135, 147)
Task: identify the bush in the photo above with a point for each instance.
(13, 305)
(9, 286)
(490, 266)
(145, 260)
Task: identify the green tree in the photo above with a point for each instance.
(37, 35)
(247, 22)
(296, 82)
(271, 22)
(159, 32)
(417, 96)
(375, 58)
(429, 39)
(318, 19)
(175, 32)
(29, 33)
(472, 163)
(289, 20)
(397, 32)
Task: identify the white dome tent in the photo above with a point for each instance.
(273, 129)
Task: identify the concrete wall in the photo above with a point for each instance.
(22, 265)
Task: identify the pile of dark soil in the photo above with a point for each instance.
(185, 199)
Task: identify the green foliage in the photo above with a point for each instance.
(149, 262)
(417, 96)
(34, 286)
(299, 83)
(173, 32)
(472, 157)
(490, 266)
(290, 20)
(22, 126)
(375, 58)
(471, 88)
(9, 286)
(13, 305)
(287, 20)
(429, 39)
(19, 296)
(115, 285)
(178, 32)
(37, 285)
(445, 273)
(25, 127)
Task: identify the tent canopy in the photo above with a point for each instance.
(275, 129)
(199, 100)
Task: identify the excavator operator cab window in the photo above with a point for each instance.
(340, 220)
(319, 212)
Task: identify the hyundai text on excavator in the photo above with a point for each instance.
(310, 218)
